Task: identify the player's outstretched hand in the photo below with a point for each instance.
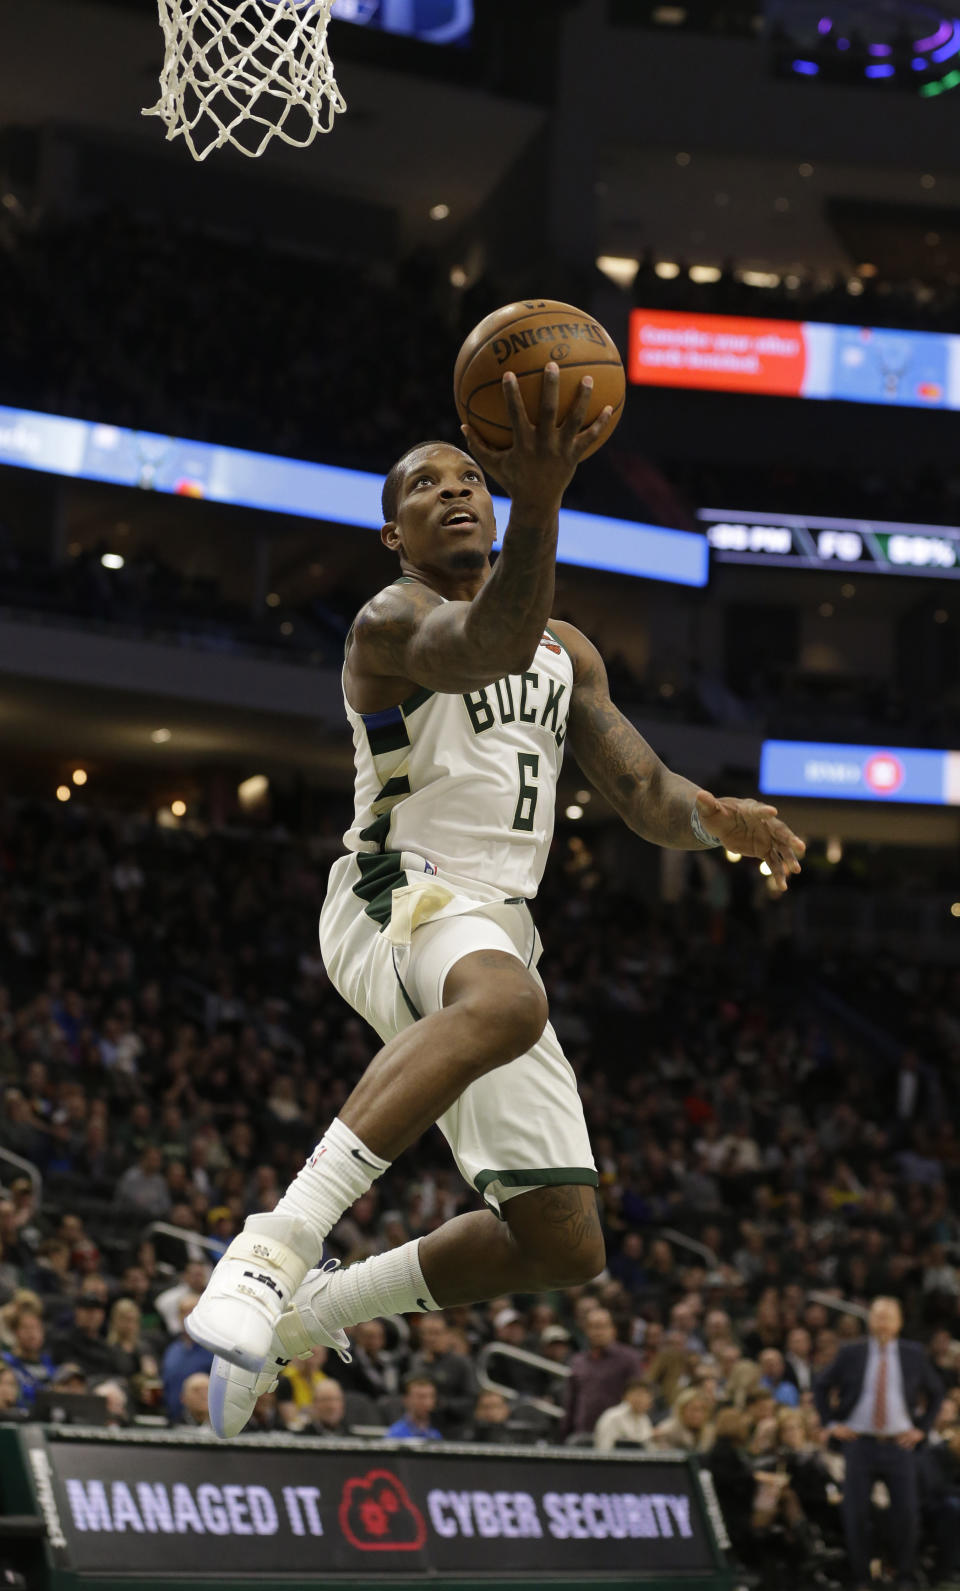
(750, 828)
(543, 457)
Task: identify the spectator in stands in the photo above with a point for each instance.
(510, 1329)
(182, 1358)
(193, 1279)
(327, 1414)
(880, 1398)
(945, 1357)
(690, 1424)
(628, 1423)
(51, 1275)
(939, 1471)
(598, 1374)
(116, 1397)
(192, 1404)
(143, 1187)
(491, 1419)
(774, 1380)
(797, 1365)
(803, 1461)
(451, 1373)
(12, 1402)
(83, 1342)
(419, 1403)
(373, 1372)
(135, 1356)
(26, 1356)
(70, 1378)
(300, 1380)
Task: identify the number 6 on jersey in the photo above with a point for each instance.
(528, 768)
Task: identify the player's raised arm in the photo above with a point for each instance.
(659, 805)
(408, 632)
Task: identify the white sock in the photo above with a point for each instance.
(386, 1284)
(340, 1169)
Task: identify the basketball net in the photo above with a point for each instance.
(242, 72)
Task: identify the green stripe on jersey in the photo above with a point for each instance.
(416, 700)
(393, 791)
(376, 832)
(380, 874)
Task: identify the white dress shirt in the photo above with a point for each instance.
(620, 1424)
(898, 1415)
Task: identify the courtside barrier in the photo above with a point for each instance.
(129, 1510)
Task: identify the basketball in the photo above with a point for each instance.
(524, 338)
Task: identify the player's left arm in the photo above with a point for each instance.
(653, 802)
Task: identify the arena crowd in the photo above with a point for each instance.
(769, 1163)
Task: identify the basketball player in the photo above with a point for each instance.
(461, 693)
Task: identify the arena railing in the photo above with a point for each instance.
(186, 1237)
(680, 1239)
(505, 1350)
(29, 1169)
(844, 1306)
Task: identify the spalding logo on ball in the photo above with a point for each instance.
(524, 338)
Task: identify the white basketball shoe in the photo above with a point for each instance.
(250, 1288)
(234, 1391)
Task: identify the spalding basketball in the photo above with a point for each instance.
(524, 338)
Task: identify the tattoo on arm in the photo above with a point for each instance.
(652, 801)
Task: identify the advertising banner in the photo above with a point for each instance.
(293, 1510)
(860, 773)
(794, 359)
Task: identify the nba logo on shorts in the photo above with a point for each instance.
(430, 867)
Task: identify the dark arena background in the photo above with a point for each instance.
(206, 368)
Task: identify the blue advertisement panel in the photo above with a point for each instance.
(91, 451)
(432, 21)
(860, 773)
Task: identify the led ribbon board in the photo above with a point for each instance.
(794, 359)
(432, 21)
(860, 773)
(795, 541)
(93, 452)
(903, 44)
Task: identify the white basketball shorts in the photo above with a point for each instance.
(389, 935)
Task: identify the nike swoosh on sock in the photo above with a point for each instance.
(363, 1160)
(422, 1302)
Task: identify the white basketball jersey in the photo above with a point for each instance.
(467, 782)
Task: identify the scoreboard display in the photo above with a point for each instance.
(805, 541)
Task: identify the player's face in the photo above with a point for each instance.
(445, 513)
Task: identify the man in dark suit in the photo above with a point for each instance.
(880, 1398)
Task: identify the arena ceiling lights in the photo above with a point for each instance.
(906, 45)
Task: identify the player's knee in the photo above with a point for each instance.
(508, 1020)
(575, 1268)
(560, 1235)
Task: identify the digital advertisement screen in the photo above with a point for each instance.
(806, 541)
(432, 21)
(794, 359)
(93, 452)
(860, 773)
(298, 1510)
